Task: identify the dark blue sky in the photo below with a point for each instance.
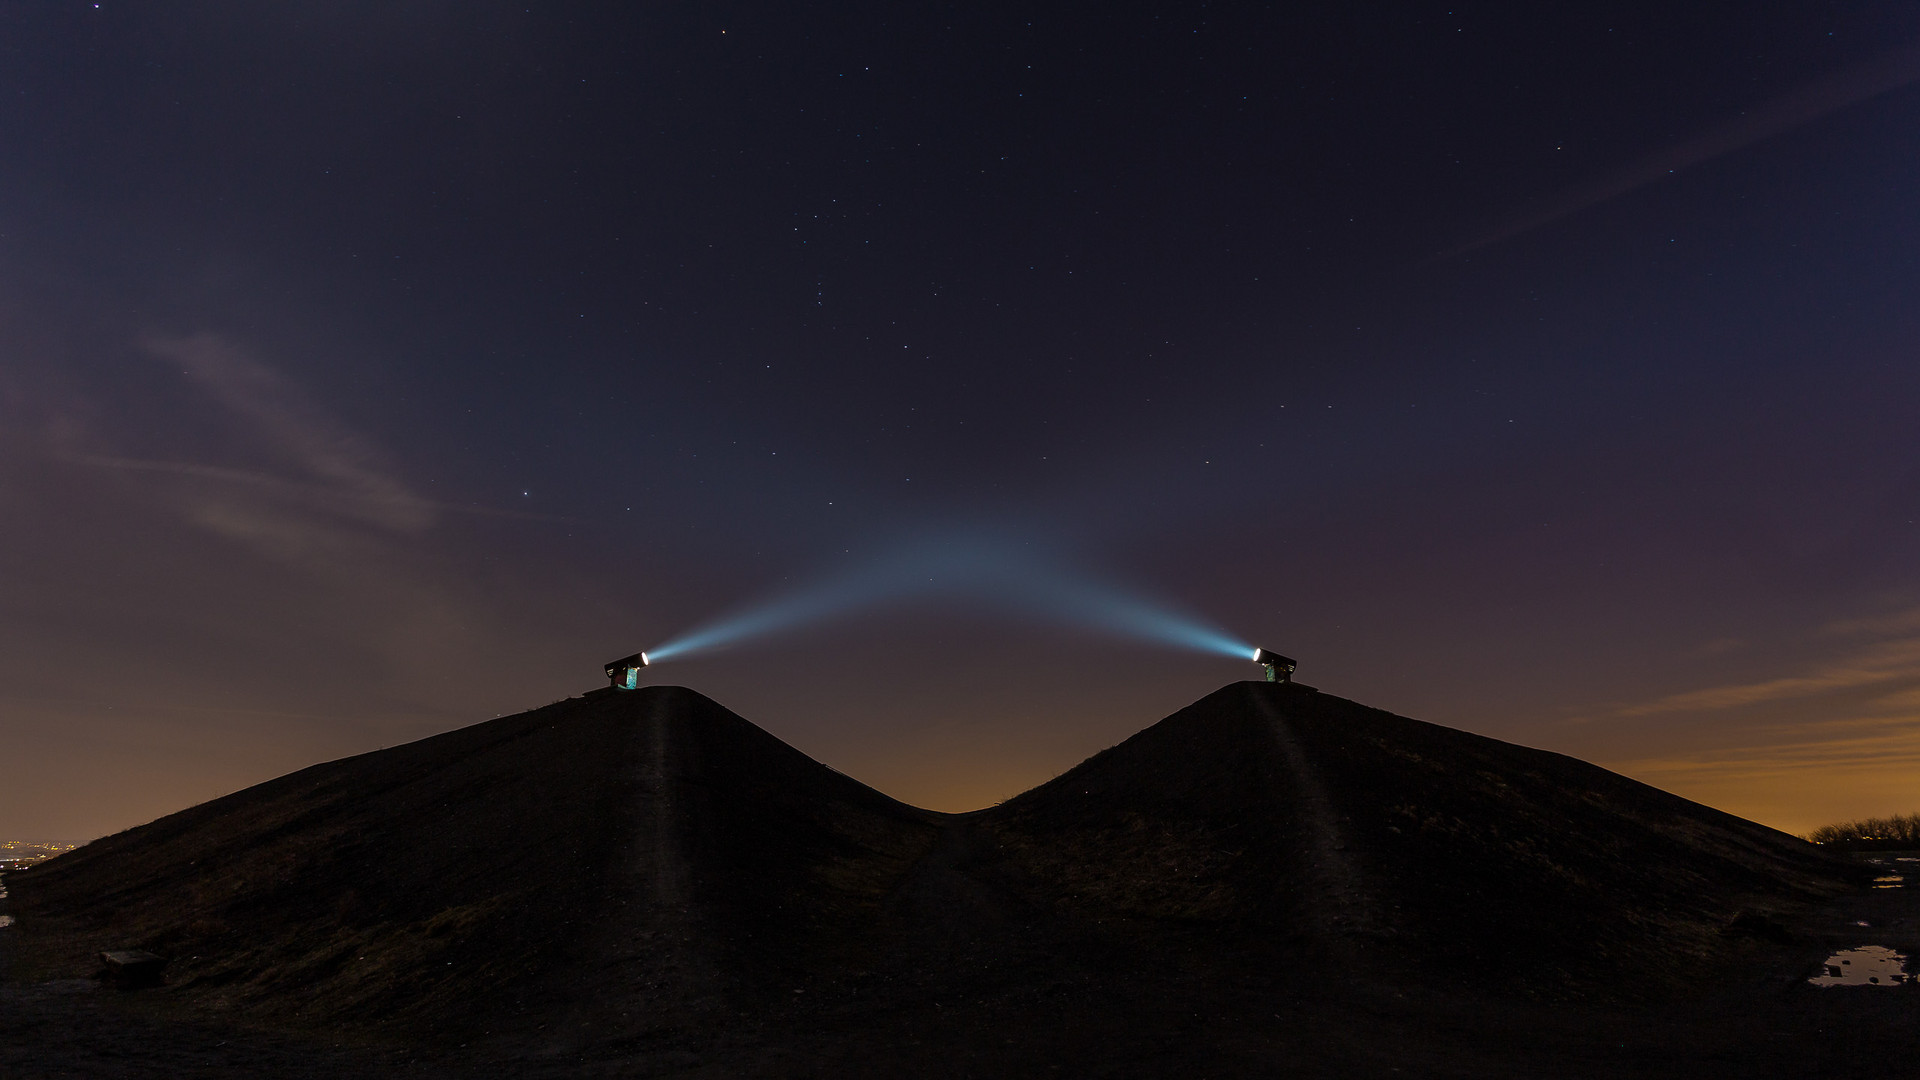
(1548, 373)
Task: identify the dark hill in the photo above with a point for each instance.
(615, 853)
(1290, 820)
(1269, 882)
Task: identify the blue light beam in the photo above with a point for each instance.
(974, 571)
(1085, 602)
(811, 605)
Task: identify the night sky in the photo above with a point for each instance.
(372, 369)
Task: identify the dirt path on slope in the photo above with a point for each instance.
(1333, 872)
(648, 938)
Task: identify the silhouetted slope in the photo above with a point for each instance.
(1296, 823)
(611, 861)
(1268, 880)
(1538, 870)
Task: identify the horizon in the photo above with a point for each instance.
(71, 843)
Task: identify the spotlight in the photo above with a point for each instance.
(1279, 668)
(625, 672)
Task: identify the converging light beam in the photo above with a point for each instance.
(974, 572)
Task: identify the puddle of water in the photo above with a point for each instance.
(1891, 881)
(1868, 965)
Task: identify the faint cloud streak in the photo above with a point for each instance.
(351, 503)
(1900, 622)
(284, 416)
(1804, 105)
(1888, 743)
(1888, 661)
(1859, 768)
(1843, 738)
(370, 584)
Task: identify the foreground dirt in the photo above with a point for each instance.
(1270, 883)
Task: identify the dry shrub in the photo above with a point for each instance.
(1899, 831)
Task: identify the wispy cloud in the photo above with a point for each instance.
(347, 502)
(1799, 777)
(303, 511)
(1889, 71)
(1888, 743)
(1833, 738)
(286, 418)
(1902, 700)
(1899, 622)
(1883, 662)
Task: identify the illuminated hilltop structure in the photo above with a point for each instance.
(624, 673)
(1279, 668)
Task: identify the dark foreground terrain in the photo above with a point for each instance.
(1271, 882)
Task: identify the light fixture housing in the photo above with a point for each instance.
(624, 673)
(1279, 668)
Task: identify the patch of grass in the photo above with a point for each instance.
(1871, 834)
